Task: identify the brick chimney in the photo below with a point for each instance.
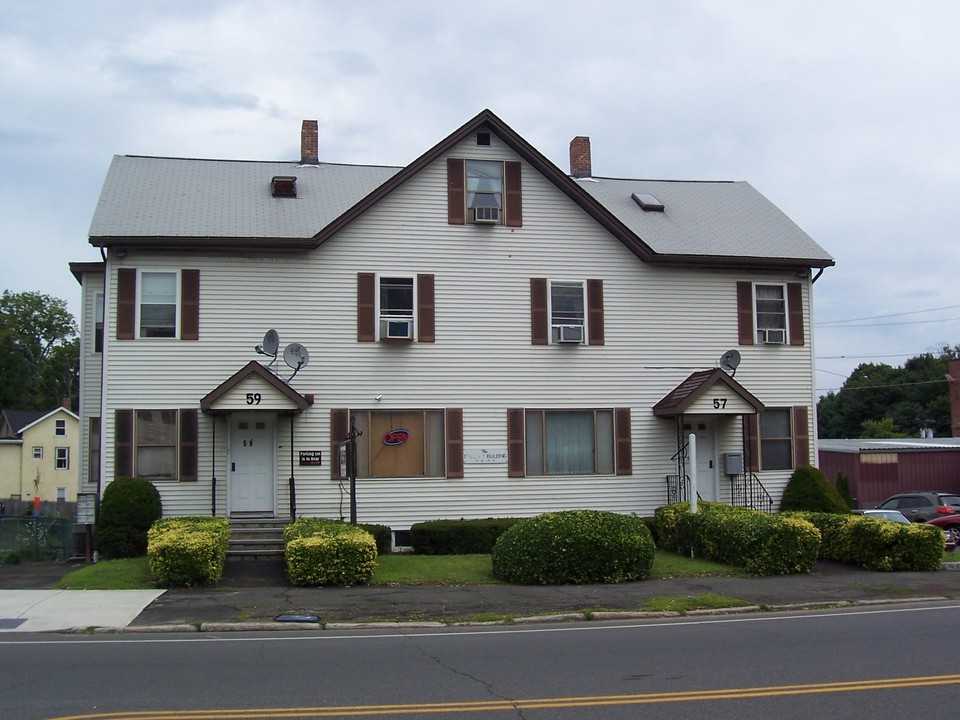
(309, 145)
(953, 384)
(580, 157)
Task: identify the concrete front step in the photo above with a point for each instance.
(256, 539)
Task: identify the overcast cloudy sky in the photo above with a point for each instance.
(844, 114)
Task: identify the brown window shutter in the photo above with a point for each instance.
(339, 422)
(801, 436)
(122, 443)
(516, 452)
(188, 445)
(366, 307)
(595, 311)
(745, 312)
(456, 193)
(624, 445)
(795, 309)
(126, 303)
(751, 431)
(189, 304)
(426, 309)
(539, 322)
(513, 196)
(454, 431)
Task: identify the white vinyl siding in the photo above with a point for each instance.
(660, 324)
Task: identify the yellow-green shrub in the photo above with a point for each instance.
(186, 551)
(761, 543)
(323, 552)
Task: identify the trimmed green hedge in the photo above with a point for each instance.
(187, 551)
(458, 537)
(574, 547)
(760, 543)
(877, 544)
(320, 552)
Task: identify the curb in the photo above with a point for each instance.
(585, 616)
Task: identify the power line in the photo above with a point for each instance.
(895, 385)
(832, 325)
(880, 317)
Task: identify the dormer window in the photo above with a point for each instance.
(284, 186)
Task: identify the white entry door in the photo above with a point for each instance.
(252, 465)
(705, 429)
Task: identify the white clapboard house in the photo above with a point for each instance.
(506, 337)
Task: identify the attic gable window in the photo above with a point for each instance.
(485, 190)
(284, 186)
(647, 202)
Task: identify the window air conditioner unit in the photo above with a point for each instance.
(489, 215)
(570, 333)
(396, 328)
(773, 337)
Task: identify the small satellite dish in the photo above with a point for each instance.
(271, 341)
(730, 361)
(296, 356)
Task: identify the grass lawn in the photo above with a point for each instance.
(399, 569)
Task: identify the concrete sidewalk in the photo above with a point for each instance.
(253, 595)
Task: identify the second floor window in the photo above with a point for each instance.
(63, 458)
(158, 305)
(567, 312)
(771, 314)
(485, 191)
(396, 308)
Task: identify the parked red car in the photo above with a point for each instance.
(950, 524)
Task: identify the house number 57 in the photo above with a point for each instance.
(719, 403)
(253, 398)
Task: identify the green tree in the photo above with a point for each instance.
(35, 330)
(912, 397)
(880, 429)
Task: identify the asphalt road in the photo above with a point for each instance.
(883, 663)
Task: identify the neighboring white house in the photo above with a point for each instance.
(39, 451)
(507, 337)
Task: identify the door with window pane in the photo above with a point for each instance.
(252, 465)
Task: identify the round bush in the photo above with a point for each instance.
(128, 508)
(809, 489)
(574, 547)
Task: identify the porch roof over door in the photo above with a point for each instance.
(708, 392)
(253, 388)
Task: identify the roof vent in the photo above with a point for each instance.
(284, 186)
(647, 202)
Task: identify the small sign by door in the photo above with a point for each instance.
(310, 457)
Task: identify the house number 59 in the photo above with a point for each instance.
(719, 403)
(253, 398)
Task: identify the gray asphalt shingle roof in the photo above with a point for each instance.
(705, 218)
(185, 198)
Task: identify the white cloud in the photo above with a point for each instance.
(843, 114)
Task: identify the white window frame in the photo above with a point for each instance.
(499, 195)
(385, 315)
(61, 494)
(60, 428)
(98, 300)
(760, 331)
(789, 438)
(604, 458)
(139, 304)
(434, 428)
(556, 323)
(62, 458)
(38, 452)
(141, 444)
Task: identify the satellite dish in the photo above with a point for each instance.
(729, 361)
(296, 356)
(271, 341)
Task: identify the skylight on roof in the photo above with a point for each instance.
(647, 202)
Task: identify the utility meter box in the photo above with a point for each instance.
(732, 463)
